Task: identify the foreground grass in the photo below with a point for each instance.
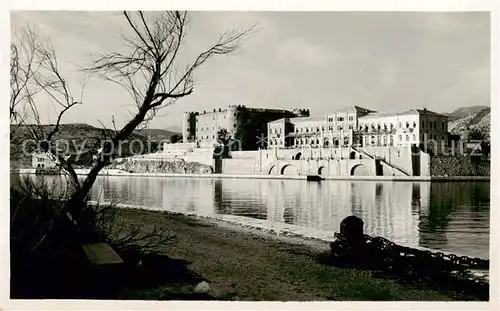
(247, 264)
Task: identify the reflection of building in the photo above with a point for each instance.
(449, 216)
(359, 126)
(455, 217)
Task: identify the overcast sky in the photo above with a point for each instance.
(385, 61)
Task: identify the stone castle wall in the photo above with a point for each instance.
(459, 166)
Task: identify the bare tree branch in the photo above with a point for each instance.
(155, 44)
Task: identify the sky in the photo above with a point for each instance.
(323, 61)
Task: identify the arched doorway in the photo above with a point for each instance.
(298, 155)
(352, 155)
(360, 170)
(322, 171)
(289, 170)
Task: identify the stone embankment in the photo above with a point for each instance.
(163, 167)
(459, 166)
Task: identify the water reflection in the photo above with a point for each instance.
(447, 216)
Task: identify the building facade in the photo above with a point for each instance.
(43, 160)
(420, 127)
(357, 126)
(202, 127)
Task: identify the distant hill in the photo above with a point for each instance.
(81, 135)
(157, 134)
(477, 120)
(465, 112)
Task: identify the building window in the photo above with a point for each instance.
(400, 137)
(307, 130)
(435, 125)
(423, 124)
(317, 129)
(340, 119)
(350, 126)
(414, 124)
(407, 137)
(407, 125)
(351, 118)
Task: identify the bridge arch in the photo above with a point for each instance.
(272, 170)
(360, 170)
(322, 171)
(289, 170)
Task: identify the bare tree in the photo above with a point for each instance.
(34, 70)
(150, 72)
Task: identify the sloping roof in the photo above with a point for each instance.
(282, 120)
(307, 119)
(354, 108)
(403, 113)
(431, 113)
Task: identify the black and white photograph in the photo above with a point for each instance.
(249, 155)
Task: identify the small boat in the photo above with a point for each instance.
(314, 178)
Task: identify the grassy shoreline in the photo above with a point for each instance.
(242, 263)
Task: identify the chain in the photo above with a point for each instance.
(433, 267)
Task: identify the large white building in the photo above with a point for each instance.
(356, 126)
(413, 127)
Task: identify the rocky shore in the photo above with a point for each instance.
(163, 167)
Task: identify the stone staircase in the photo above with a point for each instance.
(382, 160)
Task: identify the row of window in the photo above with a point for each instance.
(213, 118)
(373, 140)
(341, 119)
(208, 128)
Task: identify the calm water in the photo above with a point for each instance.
(451, 216)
